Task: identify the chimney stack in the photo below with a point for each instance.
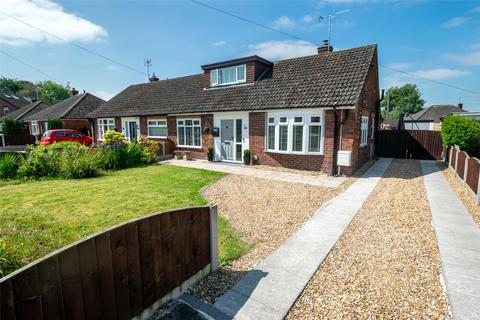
(73, 92)
(460, 106)
(153, 78)
(325, 47)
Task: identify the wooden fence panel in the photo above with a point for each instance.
(112, 275)
(18, 140)
(461, 164)
(414, 144)
(472, 174)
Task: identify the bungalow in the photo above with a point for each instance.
(27, 110)
(317, 113)
(11, 102)
(431, 118)
(71, 111)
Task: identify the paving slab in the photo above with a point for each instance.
(233, 168)
(273, 286)
(459, 244)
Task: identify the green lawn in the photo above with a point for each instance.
(38, 217)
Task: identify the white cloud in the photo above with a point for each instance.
(219, 43)
(475, 10)
(441, 73)
(105, 95)
(455, 22)
(47, 15)
(283, 22)
(278, 50)
(400, 65)
(308, 18)
(471, 58)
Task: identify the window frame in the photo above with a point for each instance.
(219, 76)
(7, 109)
(100, 127)
(34, 124)
(364, 131)
(290, 124)
(157, 126)
(183, 125)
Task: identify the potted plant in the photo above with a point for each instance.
(246, 157)
(210, 153)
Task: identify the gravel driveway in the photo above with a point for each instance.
(386, 264)
(266, 213)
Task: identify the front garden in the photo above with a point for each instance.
(45, 206)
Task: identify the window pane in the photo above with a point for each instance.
(180, 122)
(271, 138)
(238, 152)
(283, 136)
(157, 131)
(297, 138)
(197, 137)
(227, 75)
(241, 73)
(188, 136)
(271, 120)
(315, 119)
(314, 139)
(196, 122)
(152, 123)
(188, 122)
(239, 130)
(298, 119)
(283, 119)
(181, 136)
(214, 77)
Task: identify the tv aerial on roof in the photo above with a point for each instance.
(147, 62)
(329, 18)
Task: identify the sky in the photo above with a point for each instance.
(436, 40)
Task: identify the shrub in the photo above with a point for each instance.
(108, 157)
(41, 162)
(460, 131)
(132, 155)
(10, 126)
(150, 149)
(77, 162)
(55, 124)
(113, 137)
(8, 166)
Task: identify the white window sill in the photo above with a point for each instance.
(363, 145)
(189, 147)
(155, 137)
(226, 84)
(295, 153)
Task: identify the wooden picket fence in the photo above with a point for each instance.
(124, 272)
(466, 169)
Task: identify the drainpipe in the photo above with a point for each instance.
(335, 142)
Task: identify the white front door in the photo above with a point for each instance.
(131, 128)
(232, 139)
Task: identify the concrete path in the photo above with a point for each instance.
(459, 243)
(269, 291)
(320, 180)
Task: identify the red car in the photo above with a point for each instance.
(60, 135)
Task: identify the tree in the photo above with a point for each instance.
(460, 131)
(406, 99)
(9, 85)
(51, 92)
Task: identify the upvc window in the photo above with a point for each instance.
(45, 124)
(34, 127)
(228, 75)
(6, 111)
(157, 128)
(104, 125)
(296, 133)
(189, 133)
(364, 131)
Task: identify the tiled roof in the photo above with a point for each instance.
(433, 113)
(327, 79)
(18, 101)
(29, 109)
(74, 107)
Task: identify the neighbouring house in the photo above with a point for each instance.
(10, 103)
(71, 111)
(25, 111)
(389, 124)
(308, 113)
(431, 118)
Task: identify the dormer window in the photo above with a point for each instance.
(230, 75)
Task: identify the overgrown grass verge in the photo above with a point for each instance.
(38, 217)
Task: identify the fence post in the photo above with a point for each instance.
(478, 190)
(465, 170)
(213, 238)
(456, 160)
(450, 157)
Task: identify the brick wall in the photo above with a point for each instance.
(11, 107)
(207, 138)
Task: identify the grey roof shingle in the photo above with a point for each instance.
(327, 79)
(433, 113)
(29, 109)
(18, 101)
(74, 107)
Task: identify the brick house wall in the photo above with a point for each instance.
(206, 121)
(11, 107)
(80, 125)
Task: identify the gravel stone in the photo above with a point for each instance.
(387, 263)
